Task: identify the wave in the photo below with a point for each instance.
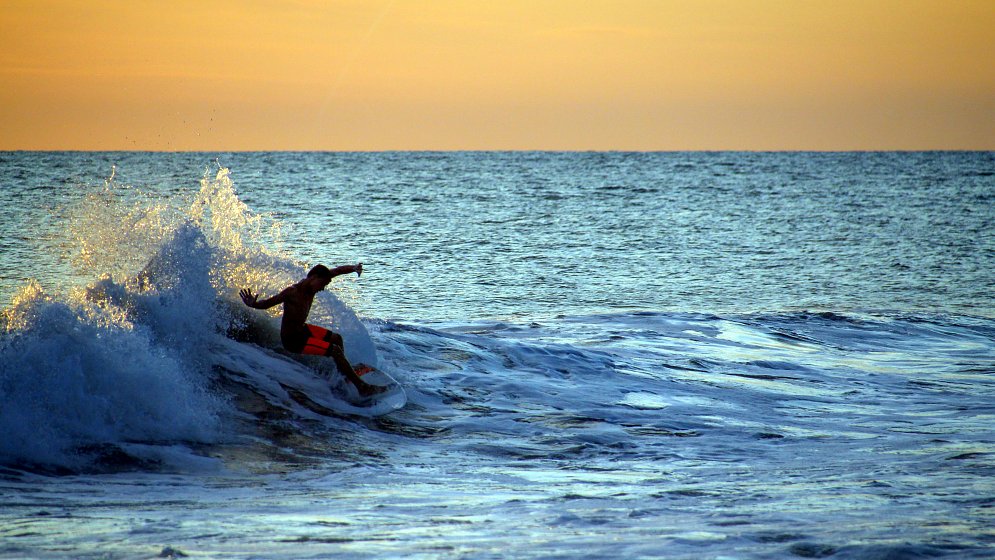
(620, 386)
(130, 370)
(76, 380)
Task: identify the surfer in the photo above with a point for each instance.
(300, 337)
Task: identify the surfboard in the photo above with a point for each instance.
(284, 378)
(391, 398)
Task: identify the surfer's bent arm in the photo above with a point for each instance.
(252, 300)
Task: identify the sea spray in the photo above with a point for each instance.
(76, 381)
(114, 230)
(120, 364)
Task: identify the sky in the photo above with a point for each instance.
(356, 75)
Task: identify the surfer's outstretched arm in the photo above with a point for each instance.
(347, 269)
(252, 300)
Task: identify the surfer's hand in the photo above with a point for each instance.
(248, 298)
(359, 270)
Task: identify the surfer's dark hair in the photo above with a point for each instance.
(321, 271)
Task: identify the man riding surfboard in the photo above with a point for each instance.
(300, 337)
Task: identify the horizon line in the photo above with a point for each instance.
(506, 150)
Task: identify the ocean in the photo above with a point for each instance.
(604, 355)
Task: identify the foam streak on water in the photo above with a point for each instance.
(605, 355)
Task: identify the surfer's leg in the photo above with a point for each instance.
(324, 342)
(337, 353)
(334, 347)
(336, 350)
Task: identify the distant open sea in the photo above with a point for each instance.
(606, 355)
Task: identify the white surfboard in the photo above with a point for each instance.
(290, 381)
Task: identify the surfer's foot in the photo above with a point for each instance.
(367, 390)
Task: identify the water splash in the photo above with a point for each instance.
(126, 364)
(75, 378)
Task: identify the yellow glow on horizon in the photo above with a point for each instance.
(461, 74)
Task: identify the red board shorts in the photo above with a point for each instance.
(319, 341)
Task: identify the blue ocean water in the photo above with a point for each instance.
(678, 355)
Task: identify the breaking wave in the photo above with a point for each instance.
(124, 371)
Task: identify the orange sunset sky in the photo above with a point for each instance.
(497, 75)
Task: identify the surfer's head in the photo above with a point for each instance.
(321, 271)
(320, 275)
